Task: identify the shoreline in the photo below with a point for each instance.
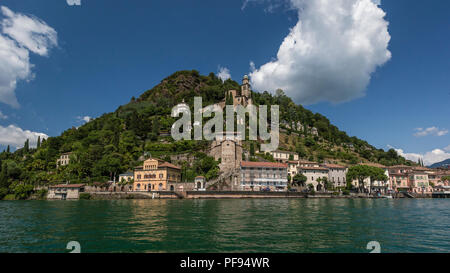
(228, 195)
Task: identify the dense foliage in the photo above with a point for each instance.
(119, 141)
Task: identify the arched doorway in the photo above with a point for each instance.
(199, 185)
(160, 186)
(172, 188)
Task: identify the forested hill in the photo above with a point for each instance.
(117, 141)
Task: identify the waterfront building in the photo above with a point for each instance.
(398, 177)
(63, 160)
(314, 173)
(65, 191)
(306, 163)
(126, 177)
(337, 175)
(292, 169)
(156, 175)
(200, 183)
(418, 181)
(263, 175)
(284, 156)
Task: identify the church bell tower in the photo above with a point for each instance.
(245, 88)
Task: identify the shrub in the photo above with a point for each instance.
(85, 196)
(345, 192)
(10, 197)
(22, 191)
(3, 193)
(42, 194)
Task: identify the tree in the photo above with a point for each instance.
(323, 182)
(26, 146)
(252, 149)
(360, 173)
(445, 178)
(299, 180)
(38, 145)
(377, 175)
(4, 183)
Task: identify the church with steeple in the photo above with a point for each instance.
(244, 97)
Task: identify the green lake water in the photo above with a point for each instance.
(238, 225)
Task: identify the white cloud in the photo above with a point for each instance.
(16, 137)
(429, 158)
(224, 73)
(3, 116)
(19, 35)
(434, 131)
(330, 54)
(84, 119)
(73, 2)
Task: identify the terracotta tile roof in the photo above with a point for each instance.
(169, 165)
(292, 162)
(263, 164)
(421, 169)
(314, 168)
(68, 186)
(399, 174)
(334, 166)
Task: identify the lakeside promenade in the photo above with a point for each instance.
(235, 195)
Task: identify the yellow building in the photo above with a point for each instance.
(155, 175)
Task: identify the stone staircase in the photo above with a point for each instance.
(221, 182)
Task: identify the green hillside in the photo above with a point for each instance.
(118, 141)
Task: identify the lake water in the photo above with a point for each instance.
(238, 225)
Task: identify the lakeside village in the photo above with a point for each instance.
(287, 176)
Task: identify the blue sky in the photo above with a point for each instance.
(110, 50)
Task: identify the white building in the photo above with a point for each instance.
(284, 156)
(313, 174)
(337, 174)
(263, 175)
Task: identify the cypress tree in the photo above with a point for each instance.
(26, 146)
(4, 176)
(38, 142)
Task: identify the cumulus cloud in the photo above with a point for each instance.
(3, 116)
(429, 158)
(84, 119)
(73, 2)
(20, 34)
(16, 137)
(330, 54)
(433, 131)
(224, 73)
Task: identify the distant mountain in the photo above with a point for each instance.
(445, 163)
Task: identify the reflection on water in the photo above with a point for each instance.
(242, 225)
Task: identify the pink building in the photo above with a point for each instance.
(399, 177)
